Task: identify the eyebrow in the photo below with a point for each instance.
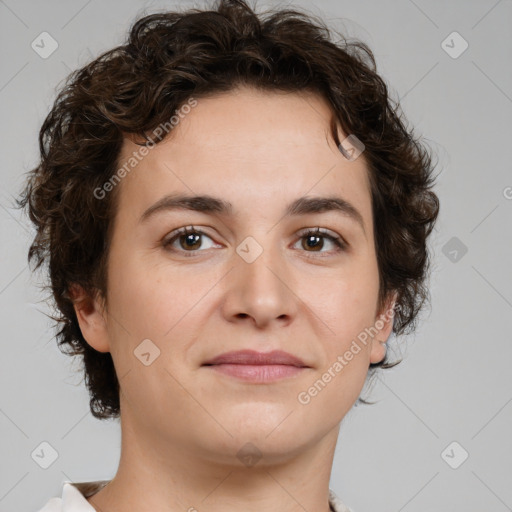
(209, 204)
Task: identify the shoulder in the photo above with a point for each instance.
(336, 504)
(74, 497)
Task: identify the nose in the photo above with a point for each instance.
(261, 291)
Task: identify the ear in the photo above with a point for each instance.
(90, 315)
(384, 325)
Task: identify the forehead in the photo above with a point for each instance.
(271, 144)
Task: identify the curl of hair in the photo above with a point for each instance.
(169, 57)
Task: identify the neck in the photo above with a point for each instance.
(164, 476)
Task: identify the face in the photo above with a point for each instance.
(247, 276)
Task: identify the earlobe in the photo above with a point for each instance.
(384, 325)
(90, 315)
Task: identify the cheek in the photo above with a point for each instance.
(333, 391)
(157, 301)
(346, 304)
(150, 303)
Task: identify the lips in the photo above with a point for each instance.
(254, 367)
(254, 358)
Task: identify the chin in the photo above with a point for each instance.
(278, 433)
(255, 448)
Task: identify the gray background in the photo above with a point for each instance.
(454, 383)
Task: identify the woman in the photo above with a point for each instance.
(235, 221)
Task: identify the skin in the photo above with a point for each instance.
(183, 424)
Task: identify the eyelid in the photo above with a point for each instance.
(174, 234)
(322, 231)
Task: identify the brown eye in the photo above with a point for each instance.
(313, 240)
(188, 239)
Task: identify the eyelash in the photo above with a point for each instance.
(341, 245)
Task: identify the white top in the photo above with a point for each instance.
(74, 496)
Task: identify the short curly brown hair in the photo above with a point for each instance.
(170, 57)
